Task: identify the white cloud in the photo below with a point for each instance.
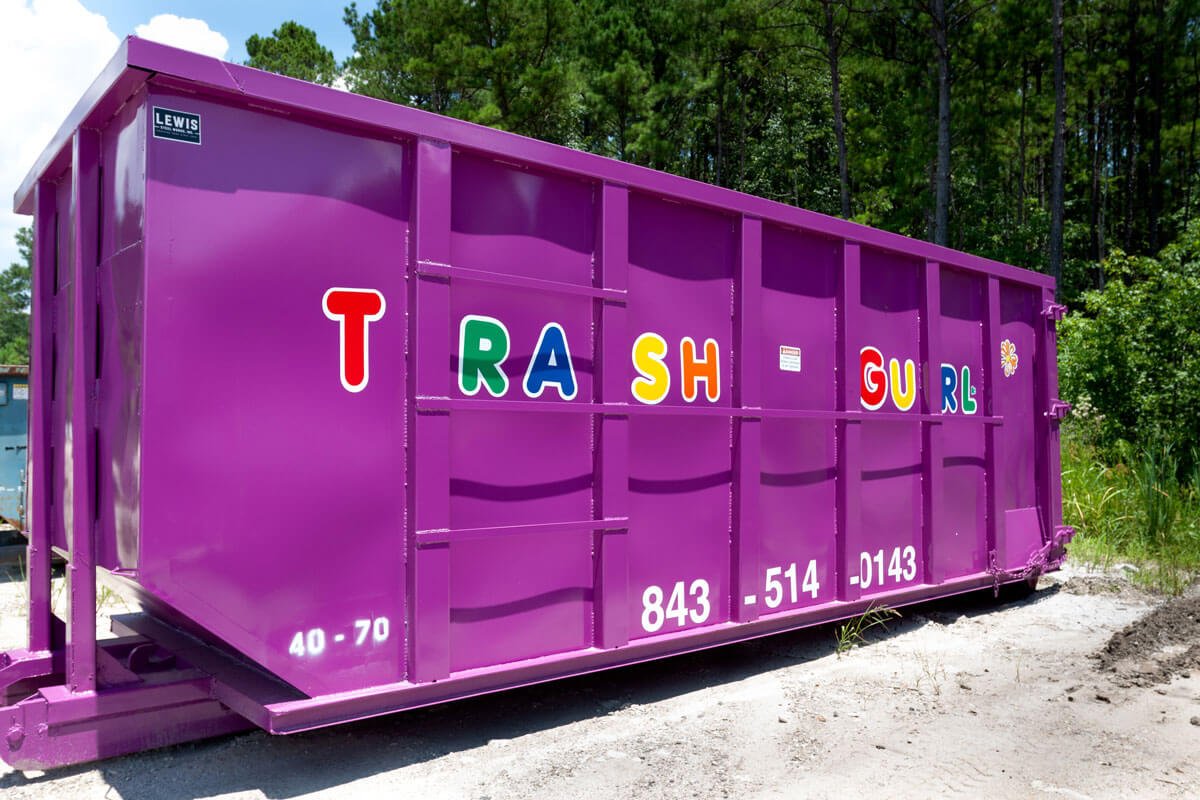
(50, 52)
(184, 32)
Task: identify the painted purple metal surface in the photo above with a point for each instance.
(396, 409)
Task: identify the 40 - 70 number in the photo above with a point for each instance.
(313, 641)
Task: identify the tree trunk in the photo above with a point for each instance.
(720, 124)
(1131, 139)
(839, 120)
(1105, 158)
(741, 135)
(1157, 99)
(941, 180)
(1191, 156)
(1021, 145)
(1098, 145)
(1057, 155)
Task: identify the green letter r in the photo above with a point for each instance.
(482, 348)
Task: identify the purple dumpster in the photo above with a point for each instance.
(368, 409)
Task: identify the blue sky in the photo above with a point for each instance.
(237, 21)
(53, 49)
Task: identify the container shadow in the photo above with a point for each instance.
(290, 766)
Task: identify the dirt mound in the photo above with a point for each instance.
(1162, 644)
(1116, 582)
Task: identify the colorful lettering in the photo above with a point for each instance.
(694, 370)
(654, 382)
(483, 344)
(354, 310)
(551, 364)
(949, 389)
(875, 380)
(873, 388)
(953, 389)
(903, 397)
(969, 404)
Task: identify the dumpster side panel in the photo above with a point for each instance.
(801, 275)
(520, 221)
(511, 473)
(274, 492)
(891, 552)
(958, 393)
(870, 437)
(1016, 362)
(682, 261)
(120, 283)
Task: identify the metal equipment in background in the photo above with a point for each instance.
(14, 426)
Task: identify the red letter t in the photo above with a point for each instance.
(353, 309)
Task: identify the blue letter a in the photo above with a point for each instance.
(551, 363)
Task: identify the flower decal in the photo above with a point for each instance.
(1008, 357)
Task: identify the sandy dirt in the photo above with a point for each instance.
(1087, 689)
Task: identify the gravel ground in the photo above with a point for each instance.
(1075, 692)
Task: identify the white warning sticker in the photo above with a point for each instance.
(789, 358)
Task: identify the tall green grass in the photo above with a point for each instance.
(1135, 511)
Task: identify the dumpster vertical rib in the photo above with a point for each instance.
(611, 487)
(931, 430)
(429, 563)
(991, 350)
(849, 430)
(81, 571)
(41, 485)
(747, 393)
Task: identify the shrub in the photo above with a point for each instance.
(1130, 358)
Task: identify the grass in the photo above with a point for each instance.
(105, 596)
(1136, 512)
(852, 633)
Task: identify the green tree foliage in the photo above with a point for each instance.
(618, 52)
(14, 303)
(1131, 361)
(292, 50)
(505, 63)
